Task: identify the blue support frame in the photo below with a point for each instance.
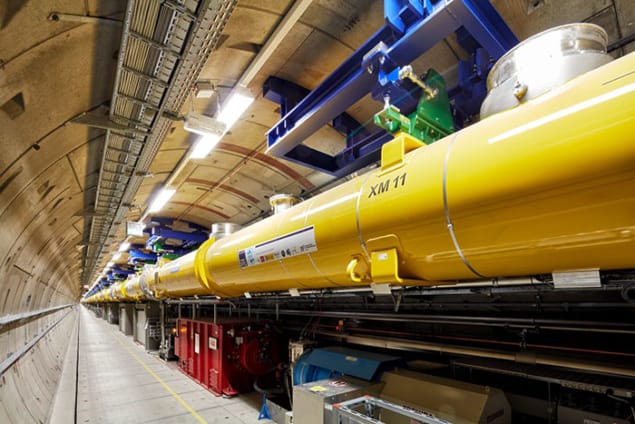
(165, 233)
(412, 28)
(162, 232)
(121, 273)
(340, 90)
(168, 222)
(287, 94)
(137, 255)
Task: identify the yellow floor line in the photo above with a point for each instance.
(168, 388)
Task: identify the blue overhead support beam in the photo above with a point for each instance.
(161, 233)
(122, 273)
(138, 255)
(288, 94)
(412, 28)
(340, 90)
(169, 222)
(195, 237)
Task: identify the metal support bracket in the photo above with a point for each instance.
(385, 266)
(104, 123)
(66, 17)
(136, 101)
(394, 152)
(155, 44)
(145, 77)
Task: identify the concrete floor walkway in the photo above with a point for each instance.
(118, 382)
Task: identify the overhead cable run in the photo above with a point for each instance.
(164, 46)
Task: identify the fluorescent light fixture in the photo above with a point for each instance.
(162, 198)
(116, 256)
(204, 125)
(124, 246)
(134, 229)
(204, 89)
(204, 145)
(233, 108)
(109, 265)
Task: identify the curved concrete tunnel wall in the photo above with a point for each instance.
(50, 73)
(28, 388)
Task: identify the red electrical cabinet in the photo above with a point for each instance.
(226, 356)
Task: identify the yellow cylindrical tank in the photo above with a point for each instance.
(113, 293)
(176, 278)
(133, 289)
(546, 186)
(110, 292)
(119, 290)
(122, 288)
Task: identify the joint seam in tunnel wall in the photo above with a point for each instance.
(52, 164)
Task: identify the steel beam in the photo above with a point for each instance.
(165, 233)
(340, 90)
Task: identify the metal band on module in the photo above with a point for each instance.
(448, 219)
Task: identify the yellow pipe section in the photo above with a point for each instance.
(547, 186)
(133, 289)
(128, 290)
(175, 279)
(124, 292)
(119, 290)
(113, 293)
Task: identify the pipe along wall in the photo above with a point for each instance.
(546, 186)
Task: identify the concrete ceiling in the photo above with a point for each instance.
(52, 71)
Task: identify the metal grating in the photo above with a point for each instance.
(164, 46)
(367, 410)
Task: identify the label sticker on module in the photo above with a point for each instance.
(296, 243)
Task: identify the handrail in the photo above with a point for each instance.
(8, 319)
(8, 363)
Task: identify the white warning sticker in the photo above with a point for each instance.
(296, 243)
